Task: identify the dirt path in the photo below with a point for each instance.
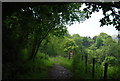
(59, 72)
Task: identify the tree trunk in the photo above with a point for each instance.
(37, 43)
(33, 48)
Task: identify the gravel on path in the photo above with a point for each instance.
(59, 72)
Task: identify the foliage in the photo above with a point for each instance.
(65, 62)
(28, 26)
(32, 70)
(53, 45)
(111, 60)
(110, 12)
(32, 33)
(113, 72)
(102, 51)
(70, 45)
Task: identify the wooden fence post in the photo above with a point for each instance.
(86, 64)
(105, 70)
(69, 54)
(93, 68)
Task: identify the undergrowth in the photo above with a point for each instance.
(37, 69)
(65, 62)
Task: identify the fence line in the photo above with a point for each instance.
(93, 67)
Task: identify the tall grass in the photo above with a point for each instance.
(80, 73)
(37, 69)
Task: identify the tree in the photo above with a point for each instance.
(110, 9)
(86, 41)
(111, 60)
(100, 38)
(70, 45)
(37, 21)
(53, 45)
(103, 47)
(94, 38)
(99, 42)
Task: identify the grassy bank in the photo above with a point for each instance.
(37, 69)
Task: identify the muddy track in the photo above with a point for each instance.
(59, 72)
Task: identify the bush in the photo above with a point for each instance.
(113, 72)
(42, 56)
(111, 60)
(36, 69)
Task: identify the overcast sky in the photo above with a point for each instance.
(91, 27)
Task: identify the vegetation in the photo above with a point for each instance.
(36, 34)
(64, 62)
(30, 70)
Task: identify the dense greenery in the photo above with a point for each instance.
(100, 48)
(30, 70)
(33, 34)
(102, 51)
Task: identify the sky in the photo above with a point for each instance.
(91, 27)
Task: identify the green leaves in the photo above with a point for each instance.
(109, 10)
(70, 45)
(103, 47)
(111, 60)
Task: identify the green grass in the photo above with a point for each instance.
(65, 62)
(77, 67)
(79, 71)
(114, 72)
(41, 75)
(40, 67)
(37, 69)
